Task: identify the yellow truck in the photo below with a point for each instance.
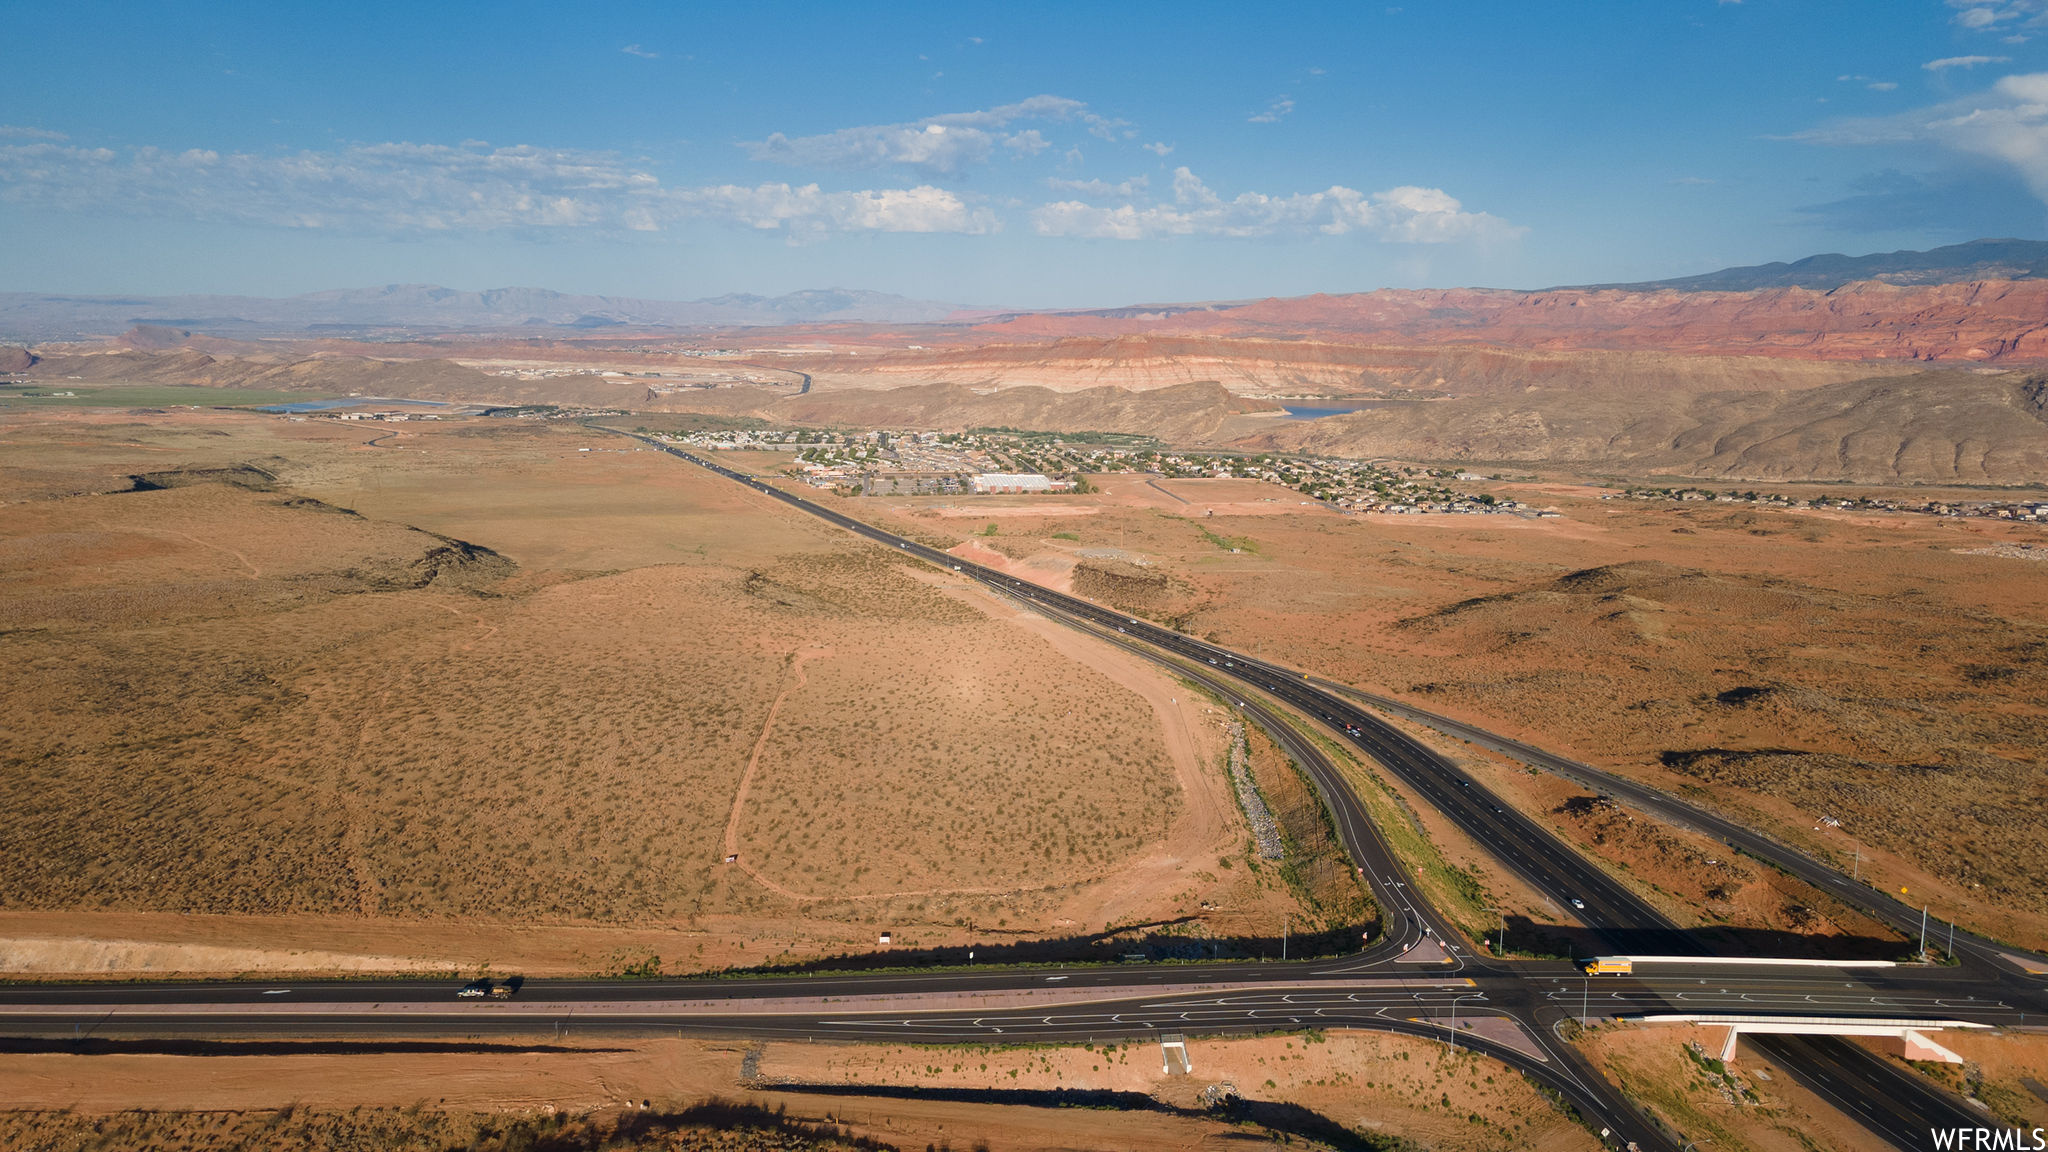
(1609, 966)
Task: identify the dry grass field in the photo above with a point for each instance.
(427, 679)
(1785, 666)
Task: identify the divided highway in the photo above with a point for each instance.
(1899, 916)
(1587, 892)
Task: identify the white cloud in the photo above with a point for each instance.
(937, 145)
(1273, 112)
(22, 132)
(1101, 189)
(808, 209)
(1158, 148)
(636, 50)
(2007, 123)
(1991, 15)
(1948, 62)
(1405, 215)
(1029, 142)
(431, 188)
(1882, 85)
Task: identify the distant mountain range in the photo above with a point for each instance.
(415, 307)
(1974, 260)
(401, 310)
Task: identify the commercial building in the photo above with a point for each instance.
(991, 483)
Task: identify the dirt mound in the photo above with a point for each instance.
(1609, 595)
(14, 359)
(247, 476)
(1638, 577)
(1132, 588)
(459, 563)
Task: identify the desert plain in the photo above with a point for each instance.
(507, 691)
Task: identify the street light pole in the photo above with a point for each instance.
(1454, 1019)
(1923, 933)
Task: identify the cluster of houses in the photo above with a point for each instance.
(1001, 461)
(2030, 509)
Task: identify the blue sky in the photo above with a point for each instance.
(1019, 155)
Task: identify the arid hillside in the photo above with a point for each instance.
(1988, 320)
(427, 378)
(1319, 366)
(1776, 383)
(1182, 413)
(480, 675)
(1938, 427)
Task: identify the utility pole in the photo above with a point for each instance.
(1923, 933)
(1857, 873)
(1500, 939)
(1951, 941)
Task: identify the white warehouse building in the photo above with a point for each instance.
(992, 482)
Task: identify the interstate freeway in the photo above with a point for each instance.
(1518, 1007)
(1870, 1089)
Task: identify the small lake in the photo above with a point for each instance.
(1341, 408)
